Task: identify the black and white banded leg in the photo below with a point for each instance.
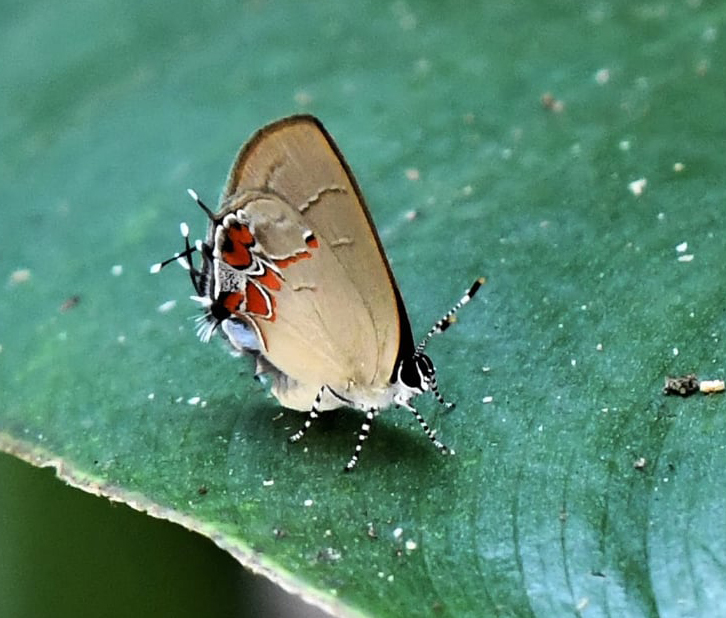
(443, 449)
(365, 431)
(312, 416)
(434, 387)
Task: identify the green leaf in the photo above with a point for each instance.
(439, 109)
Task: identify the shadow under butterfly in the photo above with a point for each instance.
(293, 272)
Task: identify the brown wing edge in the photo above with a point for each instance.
(406, 345)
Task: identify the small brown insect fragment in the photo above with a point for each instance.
(70, 302)
(685, 386)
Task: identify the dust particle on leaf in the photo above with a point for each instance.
(21, 275)
(551, 104)
(329, 554)
(166, 307)
(709, 387)
(602, 76)
(303, 98)
(638, 186)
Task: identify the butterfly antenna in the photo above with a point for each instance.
(184, 257)
(179, 256)
(193, 194)
(450, 316)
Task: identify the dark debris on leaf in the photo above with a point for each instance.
(685, 386)
(70, 303)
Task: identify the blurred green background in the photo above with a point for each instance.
(65, 553)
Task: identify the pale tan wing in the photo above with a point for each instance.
(354, 306)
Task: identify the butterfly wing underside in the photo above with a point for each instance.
(338, 316)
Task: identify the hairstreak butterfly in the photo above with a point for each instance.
(292, 272)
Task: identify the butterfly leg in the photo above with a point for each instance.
(445, 450)
(434, 386)
(363, 434)
(313, 415)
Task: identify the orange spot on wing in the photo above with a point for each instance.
(285, 262)
(269, 280)
(257, 301)
(241, 234)
(235, 248)
(232, 301)
(313, 243)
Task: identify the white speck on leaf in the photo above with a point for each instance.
(637, 186)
